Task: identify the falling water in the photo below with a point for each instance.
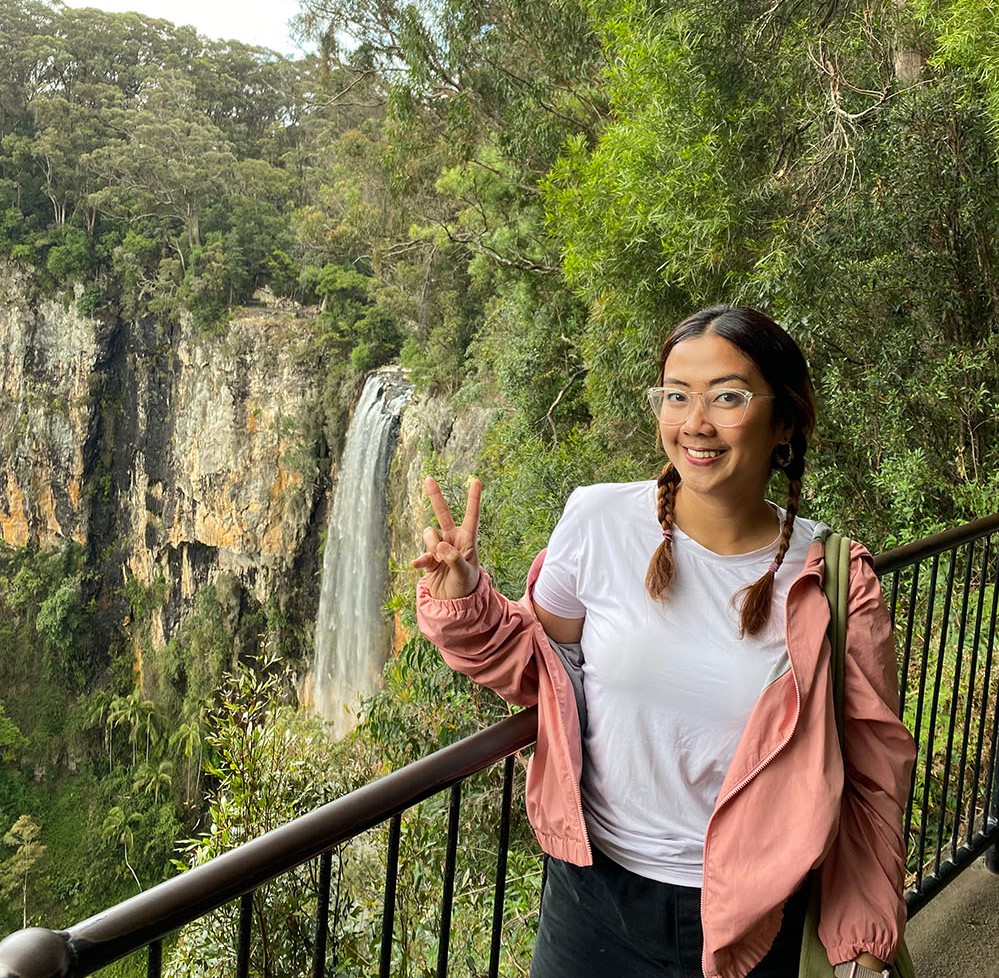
(352, 636)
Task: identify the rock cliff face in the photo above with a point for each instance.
(182, 460)
(48, 356)
(175, 457)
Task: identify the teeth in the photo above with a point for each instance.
(696, 453)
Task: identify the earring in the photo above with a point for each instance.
(783, 455)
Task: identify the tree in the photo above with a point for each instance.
(152, 778)
(12, 741)
(268, 763)
(187, 739)
(118, 828)
(478, 101)
(25, 835)
(170, 160)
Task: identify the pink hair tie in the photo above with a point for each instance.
(773, 567)
(668, 533)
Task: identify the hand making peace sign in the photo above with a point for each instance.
(450, 563)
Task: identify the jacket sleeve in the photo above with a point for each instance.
(864, 872)
(488, 637)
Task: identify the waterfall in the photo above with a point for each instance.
(352, 637)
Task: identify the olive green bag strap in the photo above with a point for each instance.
(814, 961)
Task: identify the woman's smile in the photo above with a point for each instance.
(703, 455)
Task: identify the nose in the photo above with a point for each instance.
(697, 418)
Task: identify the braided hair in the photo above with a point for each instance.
(783, 366)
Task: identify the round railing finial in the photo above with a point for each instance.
(34, 953)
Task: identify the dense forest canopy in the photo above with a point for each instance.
(517, 199)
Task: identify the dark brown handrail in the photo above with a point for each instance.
(899, 557)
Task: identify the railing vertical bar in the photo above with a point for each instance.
(910, 624)
(904, 691)
(974, 696)
(245, 932)
(154, 960)
(322, 915)
(499, 894)
(992, 784)
(959, 771)
(935, 708)
(920, 703)
(893, 595)
(450, 868)
(982, 791)
(388, 909)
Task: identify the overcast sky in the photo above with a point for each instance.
(249, 21)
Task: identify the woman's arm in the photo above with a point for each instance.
(863, 912)
(565, 631)
(486, 636)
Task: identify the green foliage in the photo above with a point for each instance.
(90, 301)
(268, 763)
(209, 284)
(70, 259)
(47, 598)
(24, 835)
(352, 321)
(966, 35)
(12, 741)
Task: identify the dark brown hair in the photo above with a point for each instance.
(782, 364)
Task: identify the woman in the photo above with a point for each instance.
(688, 774)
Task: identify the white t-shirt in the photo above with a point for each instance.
(669, 685)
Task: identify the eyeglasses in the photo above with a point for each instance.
(724, 407)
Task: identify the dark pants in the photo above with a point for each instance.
(603, 921)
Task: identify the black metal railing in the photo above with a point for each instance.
(942, 592)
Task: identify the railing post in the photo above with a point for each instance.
(992, 855)
(35, 953)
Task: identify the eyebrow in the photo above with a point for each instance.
(711, 383)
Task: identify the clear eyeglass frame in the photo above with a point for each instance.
(724, 407)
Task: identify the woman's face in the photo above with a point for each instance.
(715, 461)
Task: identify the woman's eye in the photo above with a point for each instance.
(728, 399)
(675, 397)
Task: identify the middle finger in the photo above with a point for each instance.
(439, 504)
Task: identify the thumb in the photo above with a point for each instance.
(456, 561)
(450, 555)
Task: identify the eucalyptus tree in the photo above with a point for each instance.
(168, 159)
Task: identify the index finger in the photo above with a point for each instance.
(439, 504)
(471, 520)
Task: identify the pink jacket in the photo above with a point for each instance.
(791, 800)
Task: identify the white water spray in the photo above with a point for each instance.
(352, 636)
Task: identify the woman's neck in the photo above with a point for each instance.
(724, 527)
